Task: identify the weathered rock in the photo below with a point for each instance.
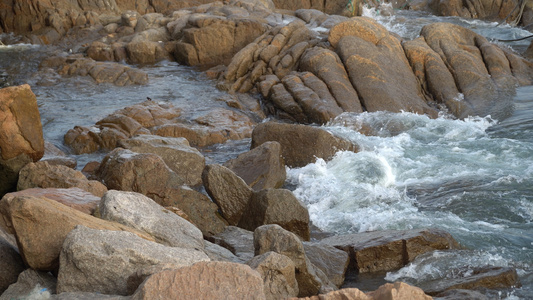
(27, 281)
(332, 261)
(140, 212)
(218, 253)
(488, 277)
(399, 290)
(184, 160)
(44, 175)
(204, 280)
(276, 206)
(144, 51)
(300, 144)
(461, 294)
(87, 296)
(199, 208)
(11, 265)
(76, 198)
(151, 113)
(21, 134)
(41, 225)
(54, 156)
(237, 240)
(377, 67)
(274, 238)
(390, 249)
(344, 294)
(476, 9)
(227, 190)
(261, 168)
(102, 261)
(278, 273)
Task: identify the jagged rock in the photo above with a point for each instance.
(21, 134)
(311, 280)
(74, 197)
(332, 261)
(11, 265)
(140, 212)
(181, 158)
(27, 281)
(237, 240)
(377, 67)
(43, 175)
(227, 190)
(390, 249)
(300, 144)
(278, 273)
(276, 206)
(41, 226)
(102, 261)
(487, 277)
(204, 280)
(261, 168)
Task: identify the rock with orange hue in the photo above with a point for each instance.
(389, 291)
(278, 272)
(21, 134)
(43, 175)
(204, 280)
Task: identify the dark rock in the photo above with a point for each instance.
(237, 240)
(30, 281)
(332, 261)
(11, 265)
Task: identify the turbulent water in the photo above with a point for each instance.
(472, 177)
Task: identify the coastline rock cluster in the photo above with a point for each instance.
(152, 219)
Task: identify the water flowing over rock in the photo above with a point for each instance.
(41, 225)
(43, 175)
(392, 249)
(103, 261)
(204, 280)
(278, 272)
(140, 212)
(261, 168)
(300, 144)
(21, 134)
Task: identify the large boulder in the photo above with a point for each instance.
(21, 133)
(276, 206)
(300, 144)
(390, 249)
(181, 158)
(261, 168)
(227, 190)
(43, 175)
(140, 212)
(278, 273)
(332, 261)
(41, 225)
(103, 261)
(203, 280)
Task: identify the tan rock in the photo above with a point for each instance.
(399, 291)
(278, 273)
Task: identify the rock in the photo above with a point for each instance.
(390, 249)
(377, 67)
(261, 168)
(274, 238)
(102, 261)
(399, 290)
(87, 296)
(54, 156)
(219, 253)
(142, 213)
(237, 240)
(6, 236)
(204, 280)
(21, 134)
(181, 158)
(344, 294)
(143, 51)
(475, 9)
(278, 273)
(276, 206)
(11, 265)
(300, 144)
(332, 261)
(199, 208)
(227, 190)
(487, 277)
(74, 197)
(29, 281)
(44, 175)
(461, 294)
(41, 226)
(143, 173)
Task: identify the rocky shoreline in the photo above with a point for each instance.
(152, 220)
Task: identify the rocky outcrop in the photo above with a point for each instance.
(21, 134)
(389, 250)
(204, 280)
(476, 9)
(300, 144)
(261, 168)
(43, 175)
(100, 260)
